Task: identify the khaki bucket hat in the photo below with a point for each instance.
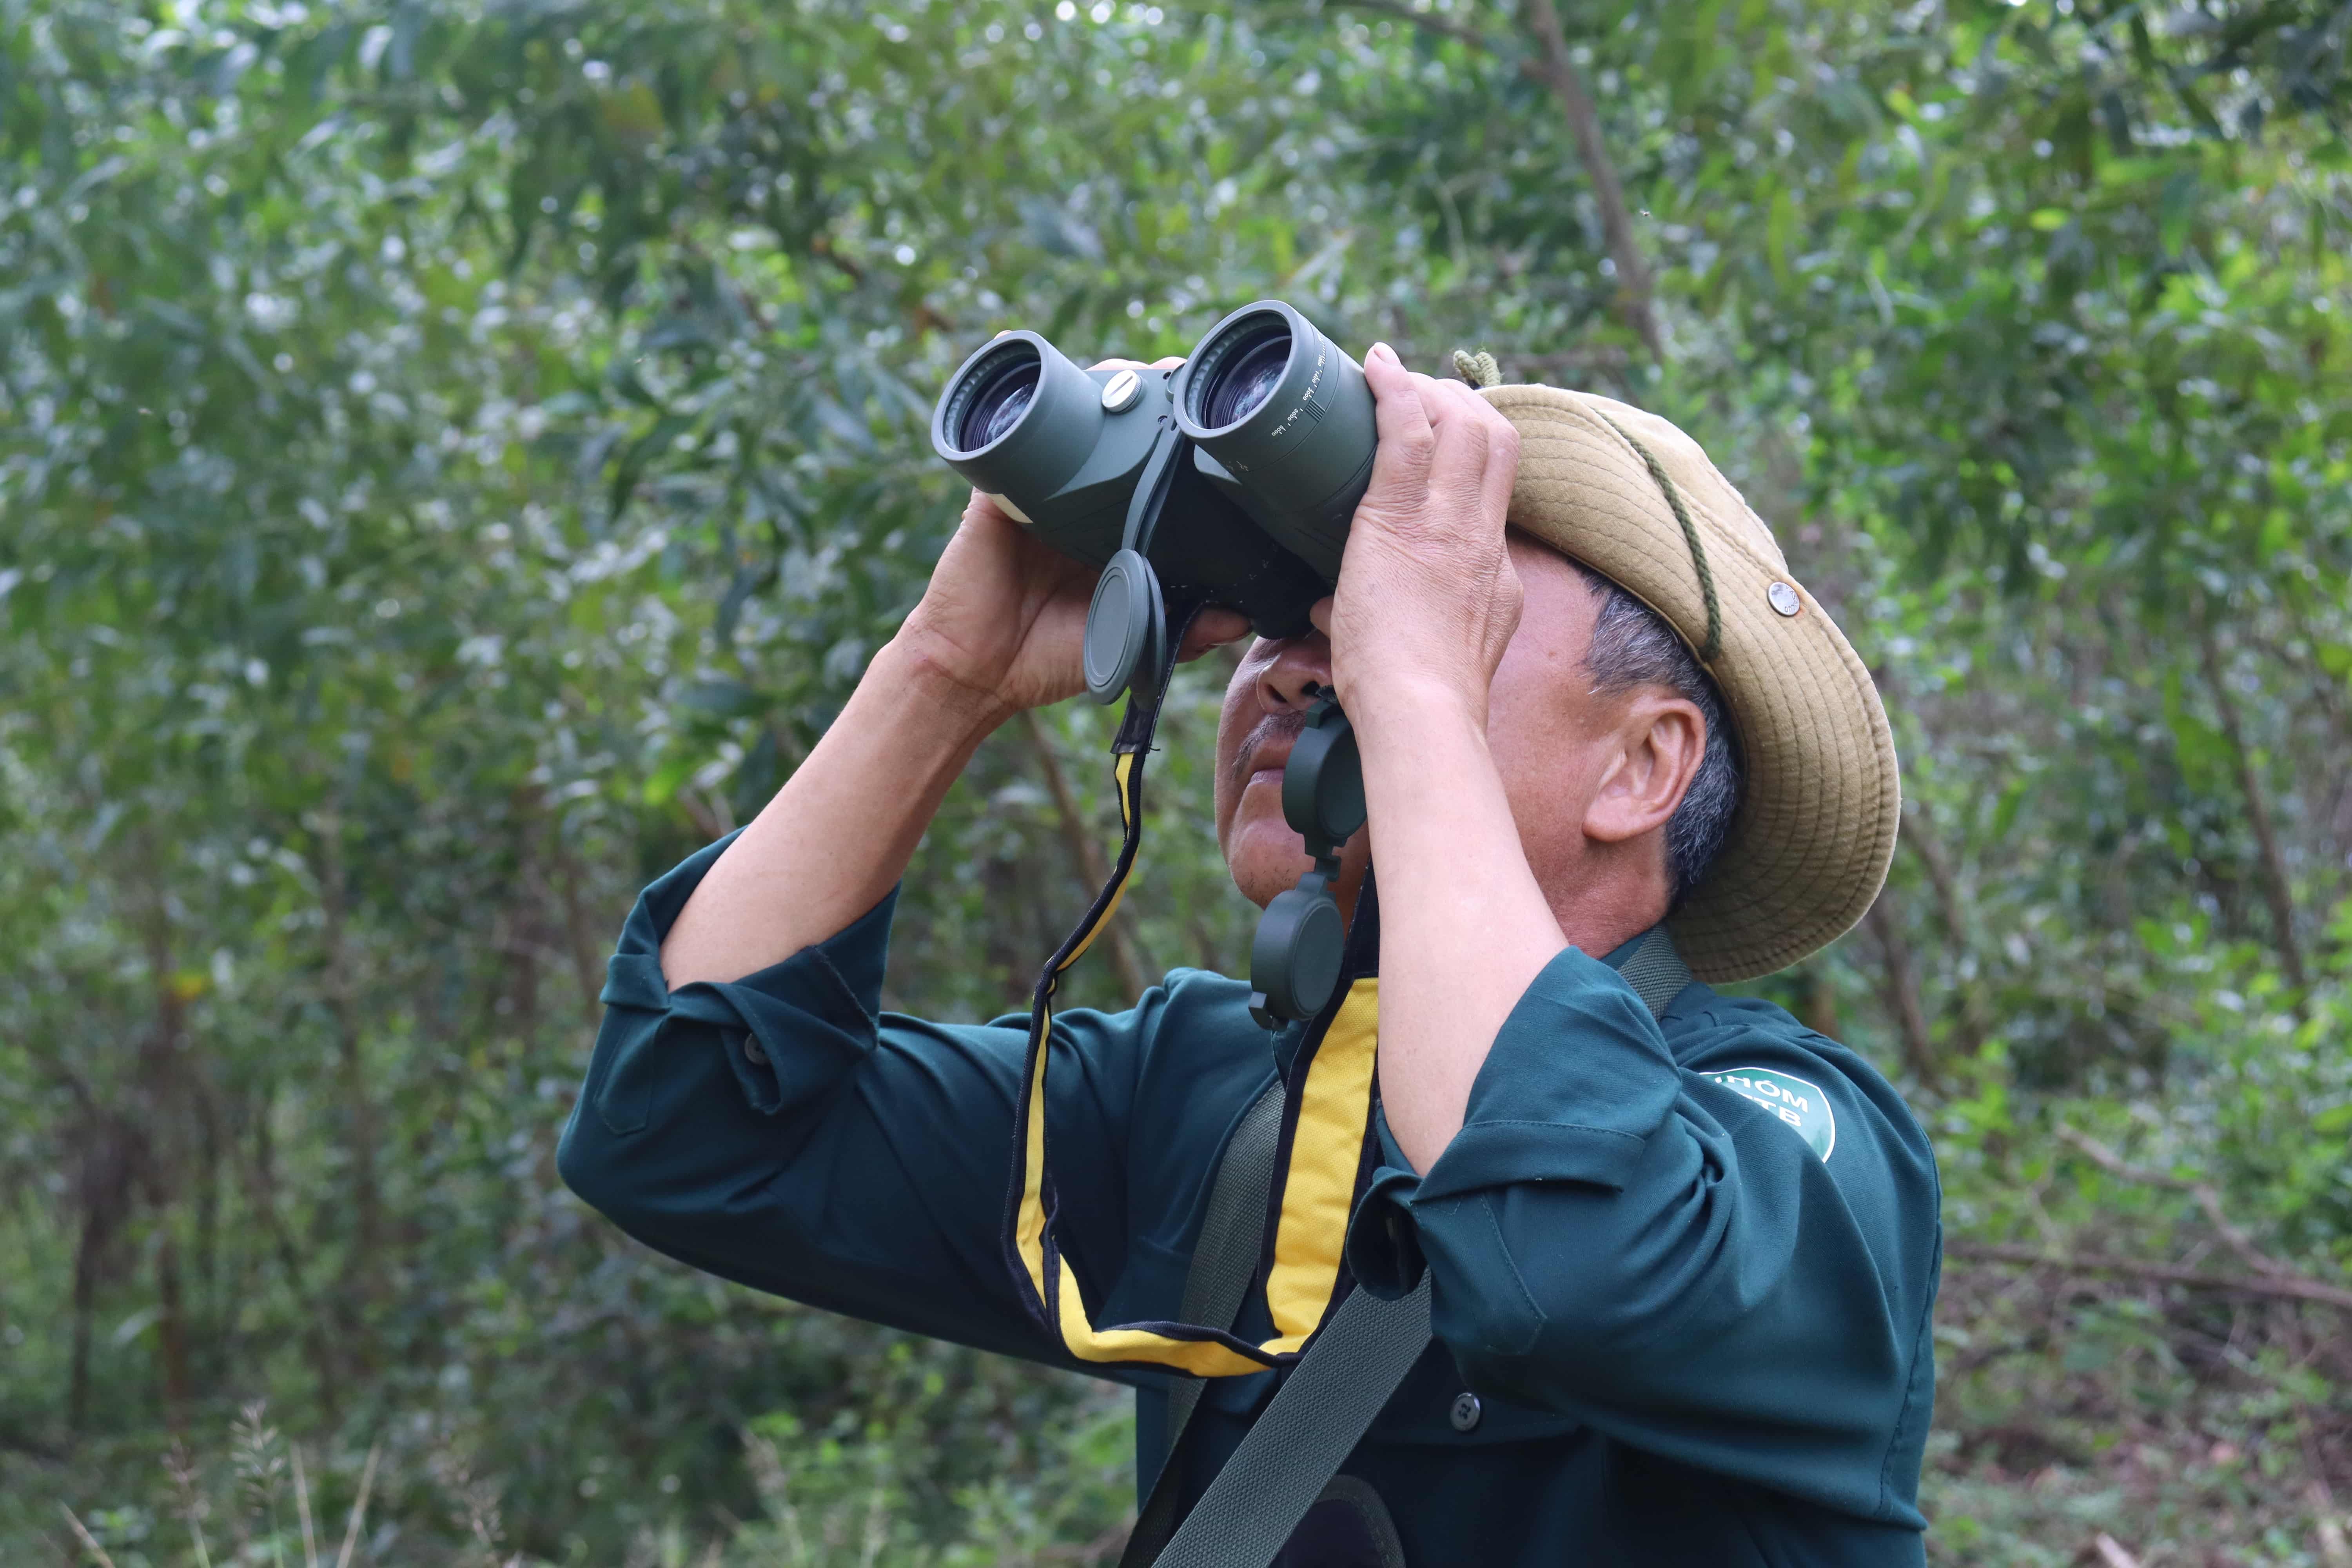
(1601, 481)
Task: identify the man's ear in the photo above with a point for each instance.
(1662, 740)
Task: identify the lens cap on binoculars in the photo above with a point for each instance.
(1230, 481)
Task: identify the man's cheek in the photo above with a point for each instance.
(1225, 793)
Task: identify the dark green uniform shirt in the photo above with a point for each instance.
(1681, 1267)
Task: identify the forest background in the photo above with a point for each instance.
(456, 459)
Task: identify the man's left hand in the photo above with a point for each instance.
(1427, 597)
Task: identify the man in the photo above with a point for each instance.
(1681, 1256)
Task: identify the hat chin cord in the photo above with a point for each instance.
(1709, 650)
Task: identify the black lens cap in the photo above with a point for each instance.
(1323, 783)
(1126, 627)
(1295, 956)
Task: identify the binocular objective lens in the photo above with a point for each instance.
(999, 406)
(1246, 379)
(1283, 424)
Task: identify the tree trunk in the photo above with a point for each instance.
(364, 1241)
(207, 1206)
(2277, 889)
(1899, 985)
(316, 1339)
(1817, 1001)
(85, 1306)
(583, 937)
(1920, 838)
(172, 1331)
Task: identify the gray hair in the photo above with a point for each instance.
(1633, 646)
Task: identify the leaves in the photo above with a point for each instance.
(458, 459)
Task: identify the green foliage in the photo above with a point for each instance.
(456, 458)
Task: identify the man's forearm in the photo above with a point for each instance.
(839, 833)
(1464, 926)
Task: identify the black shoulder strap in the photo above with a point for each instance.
(1224, 1260)
(1323, 1409)
(1338, 1389)
(1655, 971)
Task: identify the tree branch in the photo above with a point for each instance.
(2288, 1288)
(2111, 1551)
(1567, 84)
(2275, 1278)
(1920, 838)
(88, 1542)
(2207, 1198)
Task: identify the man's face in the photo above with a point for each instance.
(1552, 740)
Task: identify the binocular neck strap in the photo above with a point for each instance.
(1151, 500)
(1326, 1124)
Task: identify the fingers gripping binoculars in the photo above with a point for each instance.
(1230, 481)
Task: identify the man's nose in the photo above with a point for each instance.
(1301, 666)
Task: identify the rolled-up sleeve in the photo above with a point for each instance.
(782, 1132)
(1723, 1251)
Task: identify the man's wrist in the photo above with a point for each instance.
(914, 667)
(1410, 702)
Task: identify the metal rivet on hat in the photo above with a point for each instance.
(1466, 1412)
(1784, 598)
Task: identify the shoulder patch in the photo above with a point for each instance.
(1799, 1104)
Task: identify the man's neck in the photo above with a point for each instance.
(1608, 902)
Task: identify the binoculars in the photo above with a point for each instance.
(1229, 480)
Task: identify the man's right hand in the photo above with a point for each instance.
(1004, 618)
(1002, 628)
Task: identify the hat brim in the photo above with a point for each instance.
(1822, 800)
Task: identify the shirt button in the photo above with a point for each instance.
(754, 1053)
(1466, 1412)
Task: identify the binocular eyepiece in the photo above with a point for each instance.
(1230, 481)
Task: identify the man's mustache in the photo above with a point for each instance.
(1274, 726)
